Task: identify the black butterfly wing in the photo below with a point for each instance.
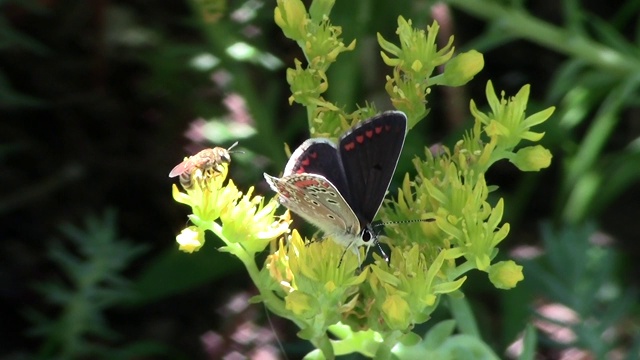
(369, 154)
(319, 156)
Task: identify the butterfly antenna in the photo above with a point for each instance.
(384, 254)
(386, 257)
(403, 222)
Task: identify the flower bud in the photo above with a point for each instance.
(505, 274)
(190, 239)
(396, 312)
(462, 68)
(291, 17)
(532, 158)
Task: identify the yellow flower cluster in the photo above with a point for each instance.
(245, 223)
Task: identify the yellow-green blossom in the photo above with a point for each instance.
(307, 85)
(323, 45)
(252, 223)
(507, 122)
(190, 239)
(207, 202)
(407, 94)
(450, 187)
(418, 51)
(406, 289)
(311, 282)
(414, 62)
(246, 220)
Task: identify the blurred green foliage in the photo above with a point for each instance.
(579, 273)
(92, 282)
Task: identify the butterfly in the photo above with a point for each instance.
(339, 189)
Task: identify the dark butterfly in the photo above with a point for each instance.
(340, 190)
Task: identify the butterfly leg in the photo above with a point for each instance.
(354, 249)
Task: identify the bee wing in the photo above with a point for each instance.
(181, 168)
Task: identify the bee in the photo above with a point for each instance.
(206, 163)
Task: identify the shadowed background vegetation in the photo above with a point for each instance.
(100, 99)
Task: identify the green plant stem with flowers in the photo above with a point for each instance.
(373, 311)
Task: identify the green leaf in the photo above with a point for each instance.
(464, 317)
(439, 334)
(174, 272)
(410, 339)
(449, 287)
(611, 36)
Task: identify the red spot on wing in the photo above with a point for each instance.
(303, 183)
(309, 181)
(369, 133)
(378, 129)
(360, 139)
(305, 162)
(282, 189)
(284, 193)
(349, 146)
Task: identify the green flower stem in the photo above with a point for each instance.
(461, 269)
(518, 23)
(310, 111)
(275, 304)
(324, 344)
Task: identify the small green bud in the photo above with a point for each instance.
(462, 68)
(396, 312)
(505, 274)
(532, 158)
(291, 16)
